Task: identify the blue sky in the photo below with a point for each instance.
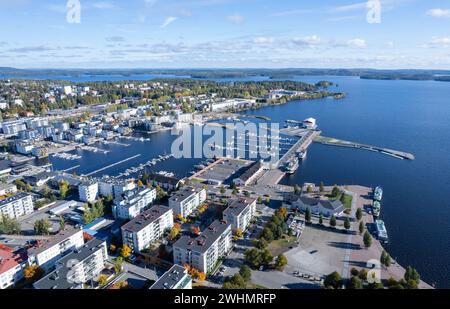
(225, 33)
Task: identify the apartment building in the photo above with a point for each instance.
(203, 252)
(114, 187)
(176, 278)
(188, 199)
(46, 253)
(11, 267)
(147, 227)
(88, 191)
(240, 212)
(13, 127)
(17, 205)
(7, 188)
(76, 268)
(133, 202)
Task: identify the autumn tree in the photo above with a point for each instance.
(33, 273)
(125, 252)
(63, 189)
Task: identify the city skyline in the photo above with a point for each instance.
(225, 33)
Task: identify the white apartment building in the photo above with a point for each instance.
(230, 103)
(147, 227)
(13, 127)
(16, 206)
(204, 251)
(132, 203)
(45, 254)
(115, 188)
(240, 212)
(7, 188)
(88, 191)
(11, 268)
(188, 199)
(76, 268)
(176, 278)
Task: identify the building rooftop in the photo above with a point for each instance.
(332, 205)
(208, 237)
(252, 170)
(9, 259)
(130, 197)
(237, 206)
(170, 278)
(146, 218)
(43, 245)
(59, 278)
(164, 179)
(13, 198)
(184, 193)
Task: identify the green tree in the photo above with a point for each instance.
(321, 187)
(118, 264)
(358, 214)
(222, 190)
(361, 227)
(320, 219)
(245, 273)
(333, 221)
(9, 226)
(253, 257)
(296, 189)
(355, 283)
(42, 227)
(309, 189)
(281, 261)
(308, 215)
(267, 234)
(335, 192)
(412, 275)
(333, 281)
(385, 259)
(347, 223)
(63, 189)
(266, 257)
(62, 223)
(367, 238)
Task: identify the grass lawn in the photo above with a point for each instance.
(281, 245)
(347, 201)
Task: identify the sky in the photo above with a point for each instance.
(383, 34)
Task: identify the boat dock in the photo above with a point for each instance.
(386, 151)
(300, 146)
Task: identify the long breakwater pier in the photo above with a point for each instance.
(386, 151)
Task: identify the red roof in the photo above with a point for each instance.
(8, 259)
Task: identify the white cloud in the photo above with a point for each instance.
(291, 12)
(236, 18)
(439, 13)
(358, 43)
(150, 3)
(350, 7)
(310, 41)
(104, 5)
(263, 40)
(168, 21)
(440, 42)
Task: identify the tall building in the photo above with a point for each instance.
(46, 253)
(132, 203)
(76, 268)
(204, 251)
(88, 191)
(114, 187)
(188, 199)
(147, 227)
(16, 206)
(11, 267)
(176, 278)
(240, 212)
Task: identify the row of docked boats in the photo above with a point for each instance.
(380, 227)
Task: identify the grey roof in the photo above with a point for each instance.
(146, 218)
(331, 205)
(252, 170)
(46, 244)
(170, 278)
(5, 165)
(184, 193)
(237, 206)
(164, 179)
(203, 242)
(58, 279)
(13, 198)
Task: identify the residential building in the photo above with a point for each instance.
(76, 268)
(133, 202)
(113, 187)
(204, 251)
(39, 179)
(13, 127)
(88, 191)
(17, 205)
(24, 147)
(7, 188)
(147, 227)
(240, 212)
(317, 206)
(11, 267)
(5, 167)
(176, 278)
(188, 199)
(46, 253)
(164, 182)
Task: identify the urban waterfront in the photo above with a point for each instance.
(412, 116)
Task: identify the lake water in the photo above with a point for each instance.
(412, 116)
